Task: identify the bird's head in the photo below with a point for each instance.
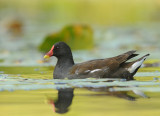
(60, 49)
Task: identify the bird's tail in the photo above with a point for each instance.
(137, 64)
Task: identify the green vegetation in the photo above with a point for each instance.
(101, 12)
(76, 36)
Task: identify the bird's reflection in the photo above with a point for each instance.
(64, 100)
(119, 94)
(65, 96)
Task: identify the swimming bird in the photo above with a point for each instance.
(114, 67)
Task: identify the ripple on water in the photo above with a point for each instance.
(18, 83)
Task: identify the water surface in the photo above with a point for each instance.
(32, 91)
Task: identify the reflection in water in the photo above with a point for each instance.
(65, 97)
(64, 100)
(119, 94)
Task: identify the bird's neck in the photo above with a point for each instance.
(65, 61)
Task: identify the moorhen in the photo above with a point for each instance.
(115, 67)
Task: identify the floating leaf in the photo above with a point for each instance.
(76, 36)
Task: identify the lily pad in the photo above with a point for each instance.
(76, 36)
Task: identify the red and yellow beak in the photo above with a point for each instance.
(49, 54)
(46, 57)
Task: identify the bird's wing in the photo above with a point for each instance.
(125, 56)
(94, 66)
(101, 65)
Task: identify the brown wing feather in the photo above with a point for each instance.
(112, 63)
(125, 56)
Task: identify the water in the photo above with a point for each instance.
(27, 91)
(83, 102)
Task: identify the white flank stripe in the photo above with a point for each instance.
(95, 70)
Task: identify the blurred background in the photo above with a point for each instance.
(93, 29)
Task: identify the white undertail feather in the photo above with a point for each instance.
(136, 65)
